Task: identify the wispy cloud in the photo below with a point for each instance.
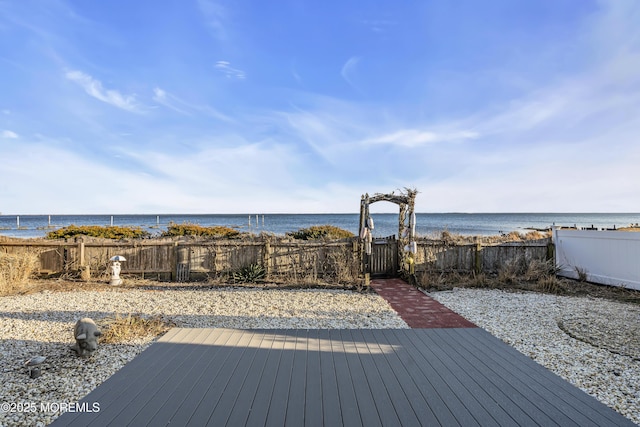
(161, 97)
(349, 69)
(181, 106)
(94, 88)
(412, 138)
(232, 73)
(329, 127)
(9, 134)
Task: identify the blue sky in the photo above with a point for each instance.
(234, 106)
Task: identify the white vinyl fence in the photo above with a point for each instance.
(605, 257)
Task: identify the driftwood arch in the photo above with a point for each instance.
(406, 224)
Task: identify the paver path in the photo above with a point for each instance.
(416, 308)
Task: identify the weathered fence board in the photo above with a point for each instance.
(439, 256)
(384, 257)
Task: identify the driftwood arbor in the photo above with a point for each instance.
(406, 228)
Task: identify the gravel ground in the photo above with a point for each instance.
(592, 343)
(42, 324)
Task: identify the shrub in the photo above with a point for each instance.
(15, 271)
(321, 232)
(110, 232)
(187, 229)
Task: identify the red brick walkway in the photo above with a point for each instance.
(416, 308)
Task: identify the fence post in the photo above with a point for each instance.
(85, 272)
(266, 258)
(183, 263)
(477, 266)
(551, 247)
(174, 262)
(355, 259)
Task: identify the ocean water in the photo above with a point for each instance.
(386, 224)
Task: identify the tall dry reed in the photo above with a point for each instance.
(15, 271)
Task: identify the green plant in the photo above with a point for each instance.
(321, 232)
(250, 274)
(110, 232)
(187, 229)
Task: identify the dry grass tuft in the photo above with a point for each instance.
(537, 269)
(120, 329)
(510, 272)
(442, 281)
(550, 285)
(15, 272)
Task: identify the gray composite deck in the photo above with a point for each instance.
(405, 377)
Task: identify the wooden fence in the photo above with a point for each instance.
(331, 261)
(184, 260)
(443, 257)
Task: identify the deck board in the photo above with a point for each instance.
(436, 382)
(173, 399)
(512, 383)
(364, 393)
(328, 382)
(448, 377)
(551, 388)
(348, 403)
(277, 409)
(427, 394)
(469, 371)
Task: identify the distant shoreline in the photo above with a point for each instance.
(386, 224)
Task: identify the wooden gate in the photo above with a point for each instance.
(384, 257)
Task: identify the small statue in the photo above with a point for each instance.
(115, 270)
(86, 334)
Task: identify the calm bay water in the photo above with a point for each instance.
(27, 226)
